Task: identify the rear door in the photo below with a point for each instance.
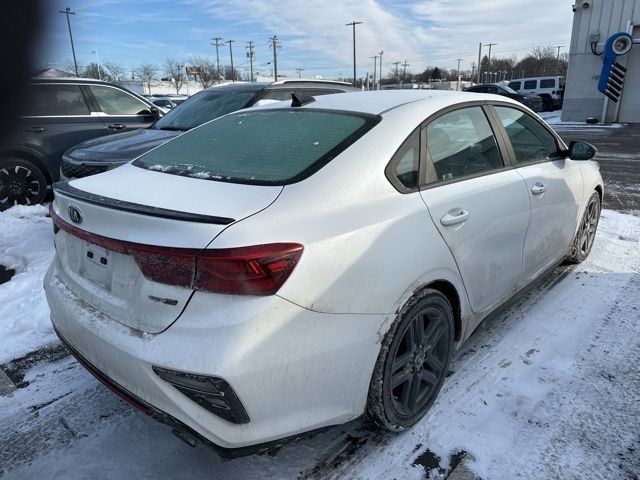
(58, 117)
(554, 187)
(120, 111)
(479, 205)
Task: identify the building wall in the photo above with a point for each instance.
(582, 98)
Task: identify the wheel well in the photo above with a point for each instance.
(599, 190)
(30, 158)
(449, 291)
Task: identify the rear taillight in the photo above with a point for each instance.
(254, 270)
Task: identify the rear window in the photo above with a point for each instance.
(263, 147)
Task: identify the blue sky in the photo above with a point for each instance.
(313, 33)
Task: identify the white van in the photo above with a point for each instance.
(551, 89)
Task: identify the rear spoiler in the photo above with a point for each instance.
(66, 190)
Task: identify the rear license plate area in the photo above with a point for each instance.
(96, 264)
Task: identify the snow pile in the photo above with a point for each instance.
(26, 245)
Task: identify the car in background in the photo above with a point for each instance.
(167, 102)
(290, 267)
(60, 113)
(534, 102)
(102, 154)
(550, 89)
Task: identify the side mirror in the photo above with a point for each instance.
(155, 111)
(581, 150)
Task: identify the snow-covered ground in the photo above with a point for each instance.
(549, 388)
(555, 118)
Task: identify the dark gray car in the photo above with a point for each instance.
(60, 113)
(534, 102)
(99, 155)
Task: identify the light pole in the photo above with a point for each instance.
(97, 63)
(458, 77)
(68, 12)
(353, 24)
(558, 58)
(375, 72)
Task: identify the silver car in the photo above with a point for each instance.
(293, 266)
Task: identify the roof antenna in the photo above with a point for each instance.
(300, 101)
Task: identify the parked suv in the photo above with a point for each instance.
(550, 89)
(534, 102)
(167, 102)
(99, 155)
(60, 113)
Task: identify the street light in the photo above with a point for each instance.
(97, 63)
(353, 24)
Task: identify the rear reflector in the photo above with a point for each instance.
(254, 270)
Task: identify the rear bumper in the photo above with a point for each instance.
(293, 370)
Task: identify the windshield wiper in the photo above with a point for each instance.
(174, 129)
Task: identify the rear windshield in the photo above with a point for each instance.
(202, 107)
(263, 147)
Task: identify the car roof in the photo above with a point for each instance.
(382, 101)
(281, 84)
(68, 80)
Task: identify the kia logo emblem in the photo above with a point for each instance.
(74, 214)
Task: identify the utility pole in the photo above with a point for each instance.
(489, 57)
(353, 24)
(275, 45)
(473, 71)
(299, 70)
(217, 45)
(68, 12)
(558, 58)
(250, 54)
(458, 77)
(233, 73)
(396, 74)
(375, 73)
(404, 71)
(380, 84)
(479, 61)
(97, 62)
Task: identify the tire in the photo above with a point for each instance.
(586, 232)
(416, 364)
(21, 183)
(547, 104)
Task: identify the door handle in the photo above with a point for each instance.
(455, 216)
(538, 188)
(35, 129)
(116, 126)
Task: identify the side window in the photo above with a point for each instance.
(530, 140)
(113, 101)
(280, 95)
(307, 92)
(461, 143)
(493, 90)
(548, 83)
(530, 84)
(405, 163)
(515, 85)
(55, 100)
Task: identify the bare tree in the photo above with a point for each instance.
(208, 71)
(147, 72)
(115, 71)
(174, 69)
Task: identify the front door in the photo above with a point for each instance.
(554, 187)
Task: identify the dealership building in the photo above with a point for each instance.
(603, 79)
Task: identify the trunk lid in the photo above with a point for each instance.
(138, 206)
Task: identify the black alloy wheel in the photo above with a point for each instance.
(413, 362)
(586, 231)
(21, 183)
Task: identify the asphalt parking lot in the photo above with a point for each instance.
(619, 158)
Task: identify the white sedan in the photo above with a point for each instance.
(286, 268)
